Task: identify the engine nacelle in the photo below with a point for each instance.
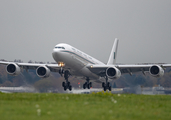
(43, 71)
(156, 71)
(113, 73)
(13, 69)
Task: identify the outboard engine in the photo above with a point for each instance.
(13, 69)
(43, 71)
(113, 73)
(156, 71)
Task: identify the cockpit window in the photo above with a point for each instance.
(59, 47)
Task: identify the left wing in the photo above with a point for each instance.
(112, 71)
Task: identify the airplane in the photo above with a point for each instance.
(72, 62)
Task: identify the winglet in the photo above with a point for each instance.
(113, 54)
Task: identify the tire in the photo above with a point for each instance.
(84, 86)
(104, 88)
(65, 88)
(90, 84)
(70, 87)
(85, 83)
(63, 84)
(110, 88)
(103, 84)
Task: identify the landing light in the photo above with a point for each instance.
(91, 66)
(61, 64)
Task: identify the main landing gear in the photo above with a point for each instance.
(107, 85)
(87, 84)
(66, 84)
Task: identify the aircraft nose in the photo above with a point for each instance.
(54, 50)
(54, 53)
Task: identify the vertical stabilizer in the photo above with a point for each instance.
(113, 54)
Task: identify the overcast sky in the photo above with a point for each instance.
(30, 29)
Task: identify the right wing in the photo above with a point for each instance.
(44, 69)
(52, 67)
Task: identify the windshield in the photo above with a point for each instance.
(59, 47)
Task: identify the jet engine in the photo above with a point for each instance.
(113, 73)
(13, 69)
(156, 71)
(43, 71)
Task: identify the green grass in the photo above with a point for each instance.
(96, 106)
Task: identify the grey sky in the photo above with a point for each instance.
(30, 29)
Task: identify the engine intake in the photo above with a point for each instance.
(13, 69)
(113, 73)
(43, 71)
(156, 71)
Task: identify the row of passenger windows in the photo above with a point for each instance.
(60, 47)
(80, 53)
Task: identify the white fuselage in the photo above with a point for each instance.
(75, 60)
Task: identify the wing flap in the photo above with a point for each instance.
(133, 68)
(98, 69)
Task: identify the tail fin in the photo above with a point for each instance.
(113, 54)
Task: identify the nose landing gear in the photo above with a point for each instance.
(66, 84)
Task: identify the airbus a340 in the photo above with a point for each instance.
(71, 61)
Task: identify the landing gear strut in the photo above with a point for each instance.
(61, 71)
(107, 85)
(87, 84)
(66, 84)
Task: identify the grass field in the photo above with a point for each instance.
(96, 106)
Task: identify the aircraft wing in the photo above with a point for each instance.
(101, 69)
(26, 66)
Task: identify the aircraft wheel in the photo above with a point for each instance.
(84, 86)
(70, 87)
(90, 84)
(103, 84)
(65, 88)
(85, 83)
(110, 88)
(63, 84)
(104, 88)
